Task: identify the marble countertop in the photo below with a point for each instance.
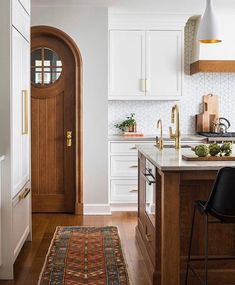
(184, 138)
(171, 159)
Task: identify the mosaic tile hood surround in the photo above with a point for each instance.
(148, 112)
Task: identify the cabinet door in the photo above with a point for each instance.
(26, 5)
(26, 112)
(126, 64)
(21, 18)
(164, 64)
(20, 111)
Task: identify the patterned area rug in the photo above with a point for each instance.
(84, 255)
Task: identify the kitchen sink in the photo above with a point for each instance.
(173, 146)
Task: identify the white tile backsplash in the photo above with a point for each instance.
(195, 86)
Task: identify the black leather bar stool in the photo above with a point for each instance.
(220, 205)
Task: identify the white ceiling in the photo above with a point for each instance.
(161, 6)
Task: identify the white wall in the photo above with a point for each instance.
(88, 27)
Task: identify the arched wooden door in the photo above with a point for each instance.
(55, 122)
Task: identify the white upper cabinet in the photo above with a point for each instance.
(127, 59)
(163, 64)
(145, 65)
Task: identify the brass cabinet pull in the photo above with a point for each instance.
(24, 194)
(146, 85)
(69, 138)
(142, 85)
(134, 166)
(133, 190)
(25, 112)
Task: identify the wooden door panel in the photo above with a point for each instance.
(53, 114)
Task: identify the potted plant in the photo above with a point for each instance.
(128, 125)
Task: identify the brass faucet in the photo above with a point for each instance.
(176, 136)
(160, 141)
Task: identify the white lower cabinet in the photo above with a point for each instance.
(123, 174)
(21, 219)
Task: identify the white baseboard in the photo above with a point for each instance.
(97, 209)
(129, 207)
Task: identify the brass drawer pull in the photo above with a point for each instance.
(24, 194)
(133, 190)
(134, 147)
(134, 166)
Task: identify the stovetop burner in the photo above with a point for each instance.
(225, 135)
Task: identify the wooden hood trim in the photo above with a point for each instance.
(212, 66)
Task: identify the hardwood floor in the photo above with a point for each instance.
(30, 261)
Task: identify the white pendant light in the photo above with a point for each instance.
(209, 30)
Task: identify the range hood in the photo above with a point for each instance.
(217, 57)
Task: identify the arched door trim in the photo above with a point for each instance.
(54, 32)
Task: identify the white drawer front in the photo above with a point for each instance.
(21, 220)
(123, 147)
(126, 147)
(20, 19)
(126, 166)
(124, 191)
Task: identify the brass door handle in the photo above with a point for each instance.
(25, 112)
(24, 194)
(69, 138)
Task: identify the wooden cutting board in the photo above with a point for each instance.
(193, 157)
(209, 115)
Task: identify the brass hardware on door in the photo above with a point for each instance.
(25, 108)
(69, 138)
(24, 194)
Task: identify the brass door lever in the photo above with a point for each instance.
(69, 138)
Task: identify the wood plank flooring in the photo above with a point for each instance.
(30, 261)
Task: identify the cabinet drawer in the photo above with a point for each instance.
(126, 147)
(126, 166)
(21, 219)
(20, 19)
(124, 191)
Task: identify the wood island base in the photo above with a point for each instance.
(164, 243)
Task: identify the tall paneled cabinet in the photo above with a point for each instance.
(15, 131)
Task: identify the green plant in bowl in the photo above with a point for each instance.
(128, 124)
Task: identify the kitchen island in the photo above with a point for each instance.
(168, 187)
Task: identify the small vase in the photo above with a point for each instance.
(132, 128)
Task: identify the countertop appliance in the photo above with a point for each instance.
(221, 125)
